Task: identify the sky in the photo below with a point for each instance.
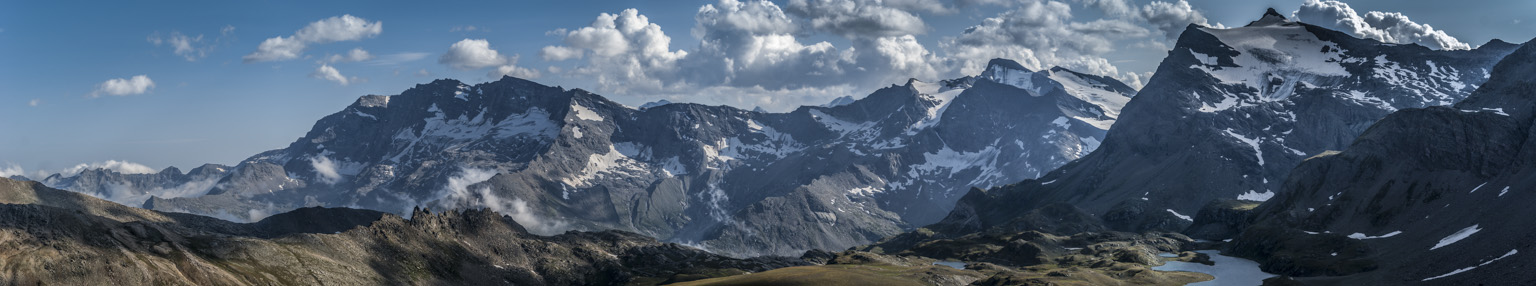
(140, 86)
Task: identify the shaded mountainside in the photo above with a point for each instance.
(54, 236)
(1228, 114)
(1437, 195)
(735, 181)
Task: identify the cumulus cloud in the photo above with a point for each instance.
(333, 29)
(1390, 27)
(459, 194)
(473, 54)
(861, 18)
(326, 72)
(111, 165)
(469, 54)
(754, 53)
(511, 69)
(138, 84)
(1042, 34)
(624, 52)
(750, 53)
(1171, 17)
(354, 55)
(325, 169)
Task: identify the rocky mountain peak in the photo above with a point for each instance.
(1271, 17)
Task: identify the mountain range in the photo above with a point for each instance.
(733, 181)
(1324, 157)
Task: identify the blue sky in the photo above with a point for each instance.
(68, 93)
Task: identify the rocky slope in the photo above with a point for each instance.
(1425, 196)
(60, 237)
(1228, 114)
(730, 180)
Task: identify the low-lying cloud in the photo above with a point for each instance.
(462, 192)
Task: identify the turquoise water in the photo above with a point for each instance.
(1228, 270)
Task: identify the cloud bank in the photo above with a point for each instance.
(459, 194)
(1390, 27)
(754, 53)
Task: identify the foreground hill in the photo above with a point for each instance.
(50, 236)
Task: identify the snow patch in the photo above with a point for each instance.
(1485, 263)
(1252, 142)
(585, 114)
(1363, 236)
(1183, 217)
(1256, 196)
(1458, 236)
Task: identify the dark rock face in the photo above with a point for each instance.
(1228, 115)
(730, 180)
(1221, 219)
(62, 237)
(1424, 196)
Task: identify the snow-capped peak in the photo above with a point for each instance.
(1009, 72)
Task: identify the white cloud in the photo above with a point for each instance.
(138, 84)
(754, 53)
(908, 57)
(861, 18)
(34, 102)
(1388, 27)
(128, 194)
(326, 72)
(355, 55)
(511, 69)
(1042, 34)
(12, 170)
(459, 195)
(333, 29)
(625, 52)
(113, 165)
(423, 73)
(470, 54)
(1171, 18)
(325, 168)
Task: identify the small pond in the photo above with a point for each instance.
(1228, 270)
